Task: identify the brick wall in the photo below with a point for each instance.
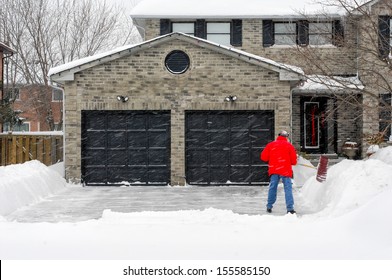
(144, 78)
(337, 60)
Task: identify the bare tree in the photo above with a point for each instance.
(367, 48)
(46, 33)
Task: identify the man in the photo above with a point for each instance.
(280, 155)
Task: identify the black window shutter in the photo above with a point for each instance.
(201, 28)
(236, 33)
(303, 33)
(385, 114)
(383, 35)
(338, 33)
(165, 26)
(268, 33)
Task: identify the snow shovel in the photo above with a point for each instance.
(321, 168)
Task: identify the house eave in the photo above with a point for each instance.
(286, 72)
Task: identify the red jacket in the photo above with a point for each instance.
(280, 155)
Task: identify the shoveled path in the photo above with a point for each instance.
(85, 203)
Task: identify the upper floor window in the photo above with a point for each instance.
(285, 33)
(225, 33)
(320, 33)
(385, 35)
(302, 32)
(184, 27)
(57, 95)
(219, 32)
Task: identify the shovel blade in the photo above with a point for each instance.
(322, 169)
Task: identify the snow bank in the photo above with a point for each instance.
(303, 171)
(349, 184)
(23, 184)
(384, 154)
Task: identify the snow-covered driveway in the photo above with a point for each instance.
(78, 203)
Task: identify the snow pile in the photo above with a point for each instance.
(303, 171)
(349, 185)
(27, 183)
(384, 155)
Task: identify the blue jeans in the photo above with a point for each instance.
(288, 191)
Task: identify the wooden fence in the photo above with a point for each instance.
(19, 148)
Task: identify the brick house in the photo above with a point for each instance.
(5, 52)
(40, 107)
(199, 98)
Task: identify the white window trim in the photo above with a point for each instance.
(62, 92)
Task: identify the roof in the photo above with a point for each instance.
(6, 49)
(231, 9)
(66, 71)
(325, 84)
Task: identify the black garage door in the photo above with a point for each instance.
(126, 147)
(223, 147)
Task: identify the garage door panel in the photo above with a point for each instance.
(239, 138)
(137, 121)
(219, 157)
(95, 157)
(116, 157)
(198, 175)
(240, 156)
(157, 139)
(240, 174)
(219, 138)
(157, 175)
(158, 121)
(255, 156)
(138, 157)
(259, 174)
(240, 121)
(96, 174)
(197, 157)
(260, 138)
(200, 123)
(219, 174)
(117, 121)
(218, 121)
(157, 157)
(137, 138)
(95, 139)
(231, 153)
(130, 146)
(197, 139)
(116, 139)
(97, 121)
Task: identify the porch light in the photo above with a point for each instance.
(231, 98)
(122, 98)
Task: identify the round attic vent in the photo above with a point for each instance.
(177, 62)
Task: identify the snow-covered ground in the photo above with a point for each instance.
(352, 220)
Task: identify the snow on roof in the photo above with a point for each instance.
(80, 64)
(230, 9)
(320, 83)
(6, 49)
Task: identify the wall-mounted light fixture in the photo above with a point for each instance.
(231, 98)
(122, 98)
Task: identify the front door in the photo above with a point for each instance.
(314, 128)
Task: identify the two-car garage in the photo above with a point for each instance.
(134, 147)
